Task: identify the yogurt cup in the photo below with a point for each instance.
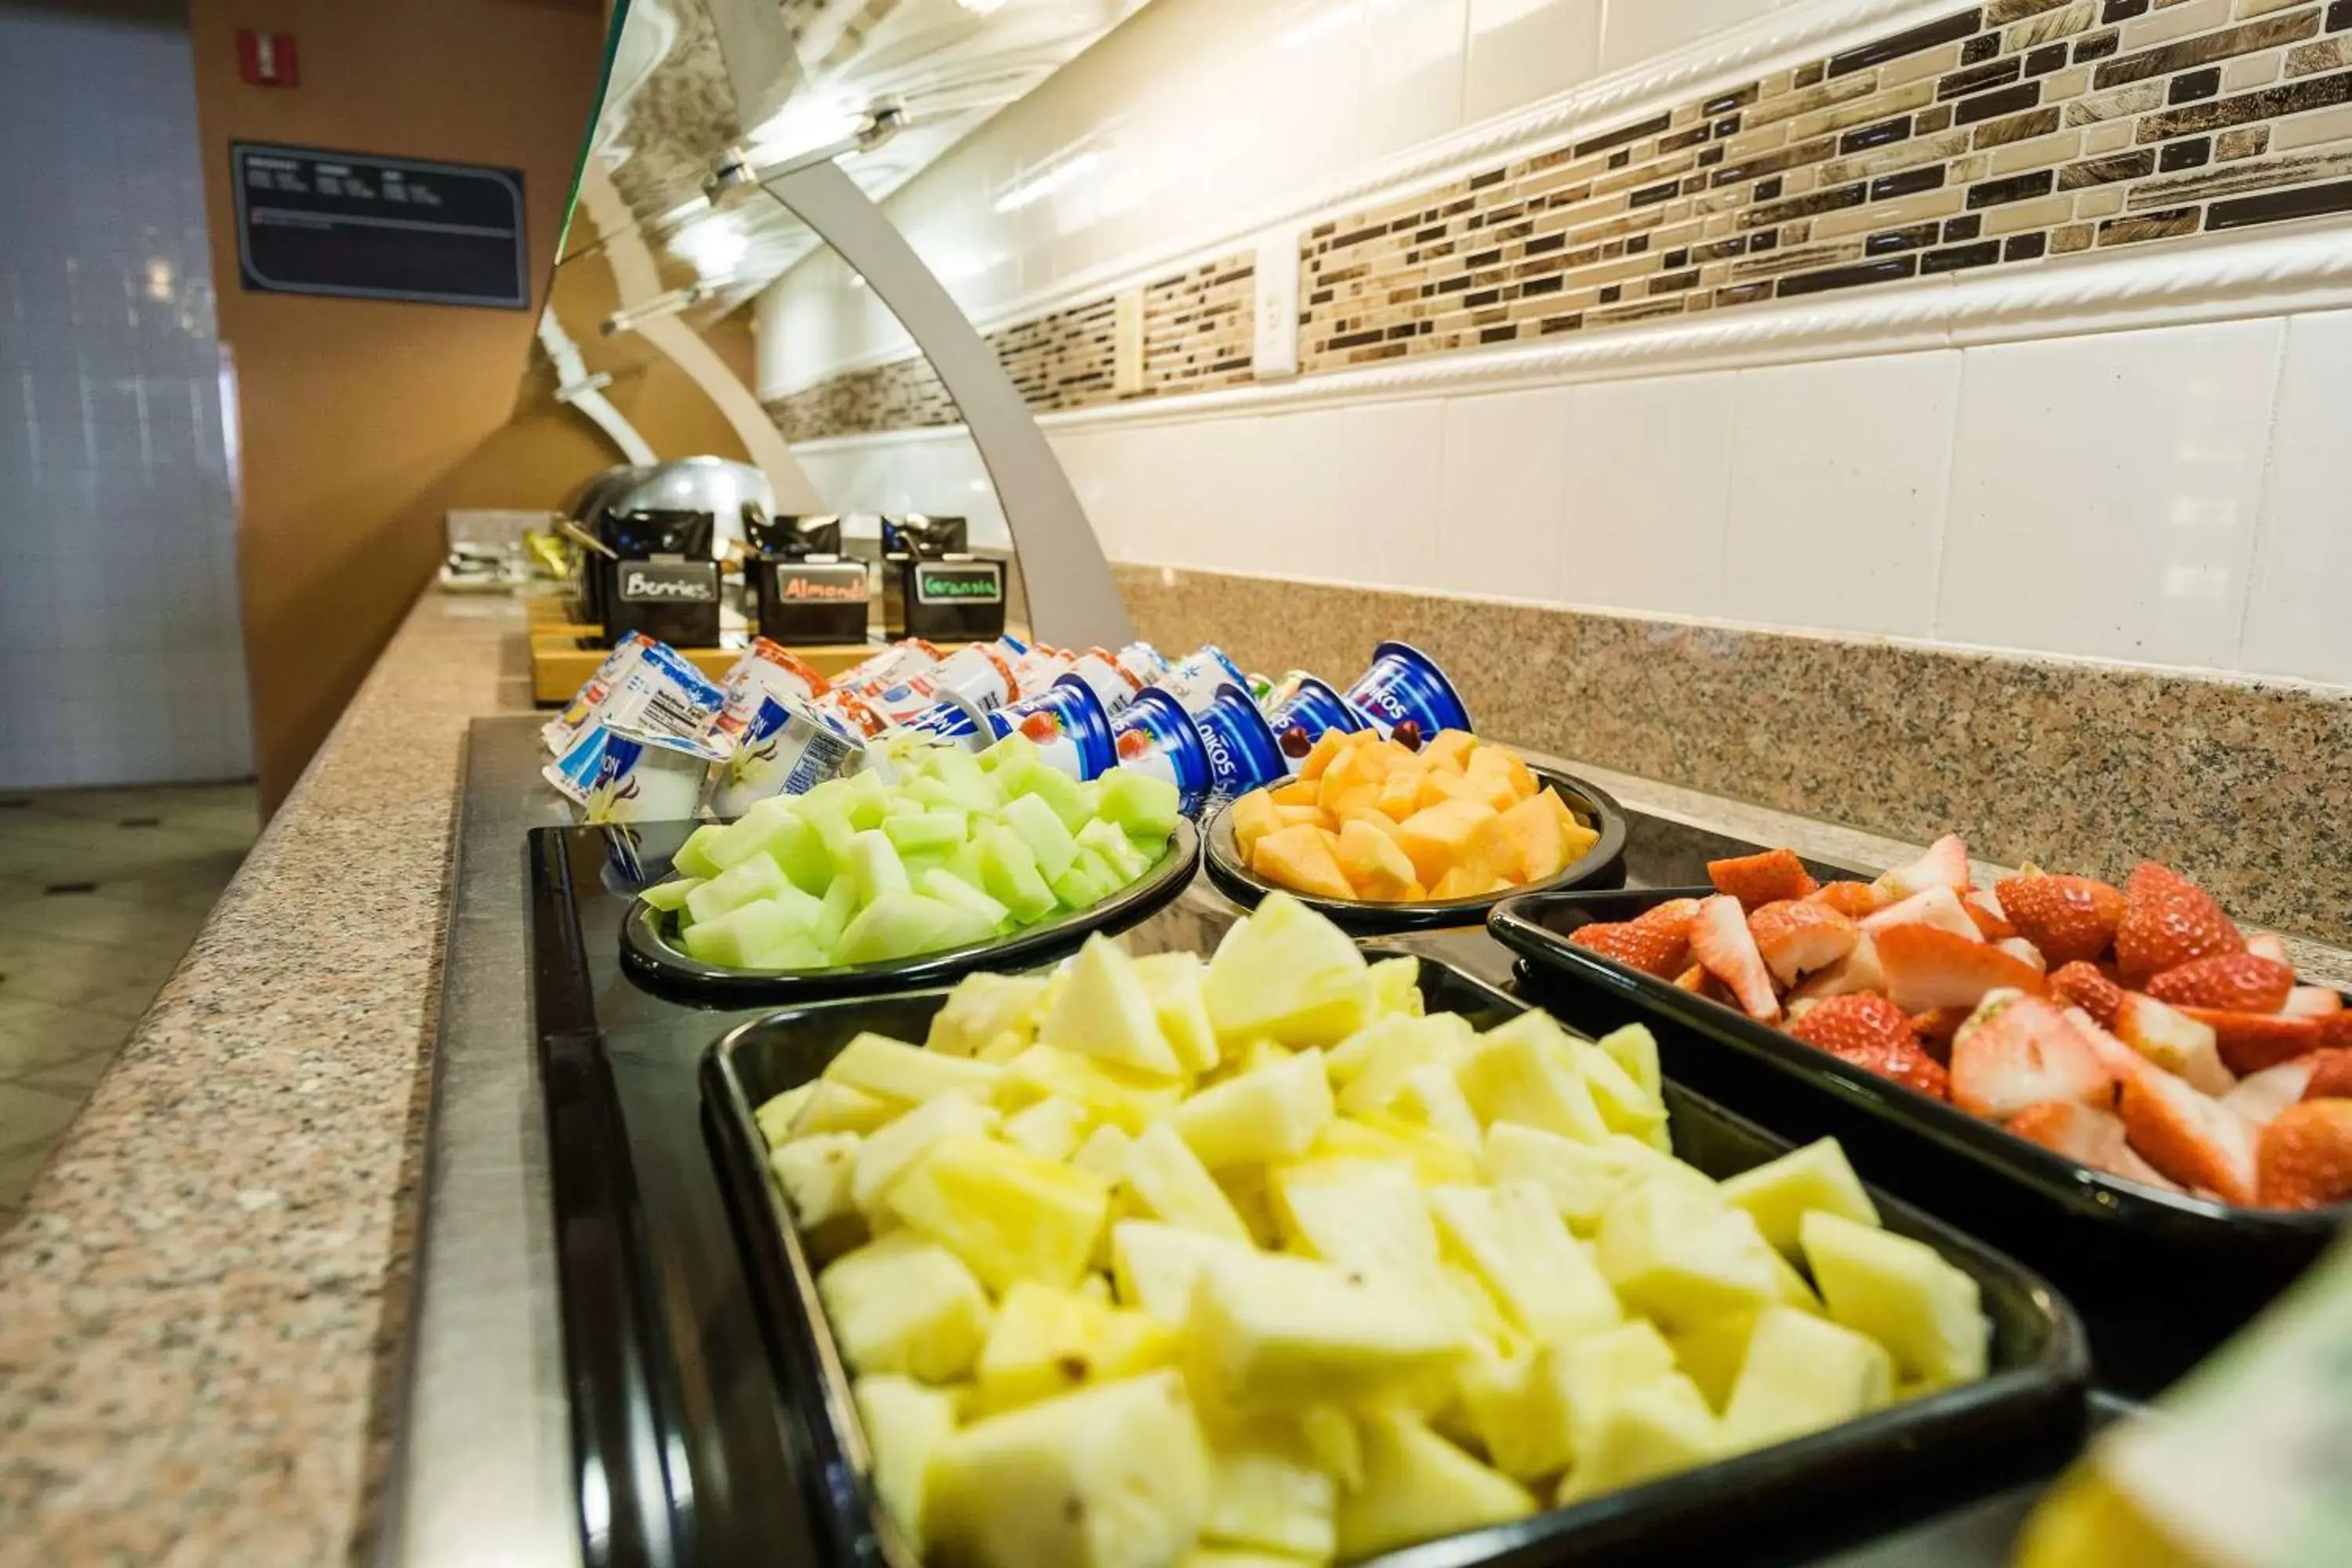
(1311, 709)
(847, 713)
(663, 694)
(1143, 661)
(1156, 736)
(614, 773)
(1067, 722)
(766, 670)
(788, 749)
(560, 732)
(1111, 680)
(979, 672)
(1241, 747)
(953, 718)
(1039, 669)
(901, 661)
(1405, 684)
(1194, 681)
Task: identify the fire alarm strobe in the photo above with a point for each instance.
(266, 59)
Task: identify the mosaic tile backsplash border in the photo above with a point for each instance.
(2242, 785)
(1998, 136)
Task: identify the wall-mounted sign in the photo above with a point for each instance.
(364, 227)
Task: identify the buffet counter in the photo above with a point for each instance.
(205, 1314)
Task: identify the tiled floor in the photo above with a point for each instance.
(101, 892)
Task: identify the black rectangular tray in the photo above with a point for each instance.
(2160, 1276)
(1782, 1504)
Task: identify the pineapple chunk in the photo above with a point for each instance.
(1711, 1354)
(1287, 974)
(1580, 1177)
(1177, 981)
(905, 1425)
(1009, 1215)
(1154, 1265)
(1682, 1256)
(1330, 1435)
(1269, 1331)
(1045, 1342)
(1052, 1128)
(1391, 1046)
(983, 1008)
(893, 1070)
(1589, 1375)
(1271, 1114)
(1513, 1404)
(837, 1108)
(1112, 1094)
(1366, 1217)
(1432, 1096)
(1655, 1430)
(1634, 1049)
(1519, 1071)
(1268, 1495)
(1801, 1374)
(902, 1304)
(1104, 1153)
(1780, 1193)
(777, 1114)
(1624, 1105)
(1169, 1181)
(1545, 1279)
(1396, 986)
(1241, 1557)
(1112, 1477)
(1380, 1135)
(1250, 1189)
(815, 1175)
(885, 1155)
(1106, 1011)
(1417, 1487)
(1901, 1293)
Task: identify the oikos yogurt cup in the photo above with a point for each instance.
(1155, 735)
(1194, 681)
(1311, 710)
(1404, 685)
(1241, 747)
(788, 749)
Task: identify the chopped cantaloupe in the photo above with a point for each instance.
(1319, 756)
(1253, 817)
(1297, 792)
(1537, 840)
(1450, 749)
(1448, 834)
(1299, 858)
(1375, 865)
(1400, 795)
(1460, 882)
(1299, 815)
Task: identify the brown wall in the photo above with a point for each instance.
(362, 421)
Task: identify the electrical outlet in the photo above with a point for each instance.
(1127, 343)
(1276, 354)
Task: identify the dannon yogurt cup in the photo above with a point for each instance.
(1156, 736)
(1193, 679)
(788, 749)
(560, 732)
(766, 670)
(614, 773)
(1405, 684)
(1240, 746)
(901, 661)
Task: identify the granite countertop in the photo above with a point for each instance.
(201, 1308)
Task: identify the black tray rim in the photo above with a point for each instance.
(1605, 860)
(648, 956)
(2080, 1190)
(2054, 1386)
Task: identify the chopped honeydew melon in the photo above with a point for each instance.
(1117, 850)
(773, 934)
(671, 895)
(1008, 871)
(1088, 881)
(946, 885)
(874, 867)
(1073, 802)
(694, 859)
(1012, 748)
(834, 911)
(865, 796)
(1141, 806)
(1052, 843)
(901, 925)
(917, 831)
(755, 878)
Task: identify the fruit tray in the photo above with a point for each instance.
(1603, 866)
(2116, 1247)
(1900, 1463)
(650, 953)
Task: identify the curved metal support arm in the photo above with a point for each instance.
(1072, 600)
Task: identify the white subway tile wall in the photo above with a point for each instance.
(121, 659)
(2299, 603)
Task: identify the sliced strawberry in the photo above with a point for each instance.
(1692, 979)
(2174, 1041)
(2118, 1058)
(2018, 1050)
(1872, 1033)
(2068, 918)
(1651, 950)
(1857, 971)
(2331, 1074)
(1796, 938)
(2191, 1138)
(2074, 1130)
(1945, 865)
(2233, 982)
(2252, 1041)
(2168, 921)
(2336, 1029)
(1936, 1029)
(2259, 1097)
(1852, 900)
(2312, 1001)
(1985, 910)
(1938, 907)
(2024, 952)
(2265, 944)
(1675, 915)
(2306, 1156)
(1719, 941)
(1760, 879)
(1927, 967)
(2131, 1166)
(2081, 985)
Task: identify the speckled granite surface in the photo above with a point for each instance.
(197, 1311)
(2247, 787)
